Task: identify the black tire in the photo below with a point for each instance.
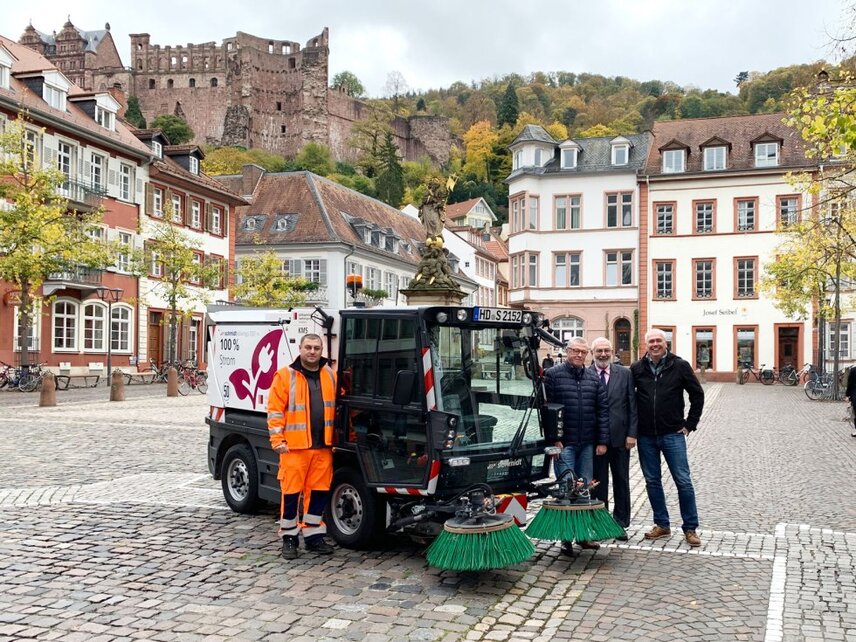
(813, 390)
(202, 384)
(29, 382)
(744, 375)
(183, 387)
(239, 477)
(791, 379)
(768, 377)
(355, 514)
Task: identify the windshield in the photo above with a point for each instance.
(480, 377)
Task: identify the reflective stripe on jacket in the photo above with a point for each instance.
(288, 417)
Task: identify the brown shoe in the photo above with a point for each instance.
(589, 546)
(657, 532)
(692, 538)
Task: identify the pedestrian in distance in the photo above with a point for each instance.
(548, 362)
(301, 409)
(623, 428)
(850, 393)
(586, 418)
(661, 379)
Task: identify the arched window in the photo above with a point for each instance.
(94, 321)
(169, 84)
(120, 329)
(192, 82)
(567, 328)
(213, 82)
(151, 83)
(65, 325)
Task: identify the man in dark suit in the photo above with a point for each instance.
(623, 428)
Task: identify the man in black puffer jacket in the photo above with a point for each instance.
(586, 419)
(661, 379)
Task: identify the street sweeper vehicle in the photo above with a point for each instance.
(440, 421)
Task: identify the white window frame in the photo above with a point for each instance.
(196, 214)
(157, 149)
(216, 221)
(35, 328)
(661, 277)
(568, 328)
(157, 202)
(123, 259)
(537, 157)
(105, 118)
(69, 343)
(714, 158)
(126, 180)
(121, 341)
(94, 338)
(54, 96)
(518, 159)
(623, 148)
(674, 161)
(616, 260)
(97, 165)
(193, 164)
(763, 157)
(156, 266)
(177, 210)
(843, 345)
(569, 154)
(5, 74)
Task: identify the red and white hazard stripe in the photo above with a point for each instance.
(433, 476)
(514, 505)
(216, 413)
(428, 368)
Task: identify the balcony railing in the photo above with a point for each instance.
(83, 193)
(318, 296)
(79, 275)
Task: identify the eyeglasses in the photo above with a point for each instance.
(577, 351)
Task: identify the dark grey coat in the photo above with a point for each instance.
(621, 392)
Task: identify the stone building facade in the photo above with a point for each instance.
(246, 91)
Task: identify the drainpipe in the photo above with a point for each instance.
(345, 273)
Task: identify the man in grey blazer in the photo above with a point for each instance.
(623, 428)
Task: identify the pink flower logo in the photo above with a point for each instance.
(264, 367)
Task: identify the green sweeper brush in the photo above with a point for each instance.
(478, 539)
(573, 515)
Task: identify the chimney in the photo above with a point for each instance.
(119, 95)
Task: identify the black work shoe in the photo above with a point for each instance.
(622, 538)
(568, 549)
(321, 547)
(289, 548)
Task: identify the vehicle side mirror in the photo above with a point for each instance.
(554, 419)
(402, 389)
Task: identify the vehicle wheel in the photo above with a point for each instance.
(743, 377)
(239, 476)
(791, 378)
(28, 383)
(768, 377)
(184, 387)
(202, 385)
(355, 514)
(3, 381)
(813, 390)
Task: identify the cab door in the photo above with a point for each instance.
(391, 441)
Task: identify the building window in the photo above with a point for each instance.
(745, 274)
(193, 164)
(65, 325)
(766, 154)
(839, 340)
(315, 270)
(704, 348)
(33, 148)
(216, 220)
(177, 212)
(746, 346)
(533, 212)
(518, 160)
(665, 275)
(123, 256)
(566, 270)
(568, 212)
(524, 270)
(157, 149)
(283, 129)
(157, 202)
(517, 206)
(669, 331)
(532, 275)
(96, 172)
(714, 158)
(391, 286)
(170, 83)
(703, 270)
(673, 161)
(195, 214)
(665, 218)
(65, 159)
(537, 158)
(619, 268)
(789, 210)
(4, 77)
(151, 83)
(193, 340)
(704, 217)
(54, 96)
(619, 209)
(569, 158)
(620, 154)
(746, 219)
(567, 328)
(213, 82)
(33, 331)
(105, 118)
(278, 106)
(126, 179)
(94, 321)
(192, 82)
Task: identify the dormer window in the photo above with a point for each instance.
(54, 96)
(4, 76)
(105, 118)
(375, 238)
(714, 158)
(194, 165)
(673, 161)
(157, 148)
(518, 160)
(766, 154)
(569, 158)
(250, 224)
(537, 158)
(620, 154)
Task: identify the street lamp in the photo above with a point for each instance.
(111, 296)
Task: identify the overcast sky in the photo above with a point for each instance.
(433, 43)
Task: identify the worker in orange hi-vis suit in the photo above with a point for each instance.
(301, 409)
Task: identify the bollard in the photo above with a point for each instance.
(47, 397)
(117, 386)
(172, 382)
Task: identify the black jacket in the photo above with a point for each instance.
(660, 399)
(586, 404)
(851, 384)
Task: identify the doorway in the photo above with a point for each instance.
(155, 340)
(621, 332)
(788, 341)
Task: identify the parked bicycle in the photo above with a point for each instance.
(192, 378)
(765, 375)
(24, 378)
(791, 377)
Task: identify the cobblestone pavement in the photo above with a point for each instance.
(112, 529)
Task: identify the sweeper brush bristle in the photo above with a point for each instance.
(574, 522)
(469, 545)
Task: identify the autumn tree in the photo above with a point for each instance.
(367, 136)
(315, 158)
(350, 82)
(480, 141)
(261, 282)
(39, 234)
(175, 128)
(185, 279)
(395, 88)
(230, 160)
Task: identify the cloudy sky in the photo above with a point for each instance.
(434, 43)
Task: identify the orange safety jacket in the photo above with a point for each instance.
(288, 407)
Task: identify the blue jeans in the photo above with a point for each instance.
(673, 446)
(580, 459)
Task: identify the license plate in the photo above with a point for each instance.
(503, 315)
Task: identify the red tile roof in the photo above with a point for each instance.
(457, 210)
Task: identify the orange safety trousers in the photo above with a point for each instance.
(310, 472)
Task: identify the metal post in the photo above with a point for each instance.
(111, 296)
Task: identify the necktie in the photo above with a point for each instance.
(603, 377)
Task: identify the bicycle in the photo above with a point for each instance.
(791, 377)
(192, 378)
(821, 388)
(29, 377)
(765, 375)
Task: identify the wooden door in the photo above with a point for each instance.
(155, 343)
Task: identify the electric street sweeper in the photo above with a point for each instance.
(440, 421)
